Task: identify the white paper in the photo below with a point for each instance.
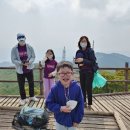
(72, 104)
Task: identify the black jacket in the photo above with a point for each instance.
(89, 59)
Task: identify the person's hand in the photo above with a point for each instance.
(79, 60)
(47, 55)
(75, 124)
(45, 58)
(50, 75)
(65, 109)
(26, 64)
(81, 65)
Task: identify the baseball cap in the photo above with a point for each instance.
(20, 36)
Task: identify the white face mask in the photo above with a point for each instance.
(83, 44)
(50, 57)
(21, 41)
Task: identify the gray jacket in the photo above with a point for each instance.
(17, 61)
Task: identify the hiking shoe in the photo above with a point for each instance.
(22, 102)
(26, 100)
(34, 99)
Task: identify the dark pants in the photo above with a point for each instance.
(86, 79)
(21, 83)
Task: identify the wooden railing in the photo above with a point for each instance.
(40, 81)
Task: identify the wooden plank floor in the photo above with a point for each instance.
(111, 103)
(101, 103)
(91, 121)
(6, 117)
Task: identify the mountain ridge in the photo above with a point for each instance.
(112, 59)
(104, 60)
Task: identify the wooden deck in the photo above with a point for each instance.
(109, 112)
(91, 121)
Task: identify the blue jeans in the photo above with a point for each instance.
(61, 127)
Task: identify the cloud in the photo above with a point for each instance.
(112, 10)
(92, 4)
(58, 23)
(24, 6)
(21, 5)
(118, 8)
(118, 11)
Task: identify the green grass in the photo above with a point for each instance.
(12, 88)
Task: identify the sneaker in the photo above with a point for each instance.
(34, 99)
(26, 100)
(89, 107)
(44, 102)
(22, 102)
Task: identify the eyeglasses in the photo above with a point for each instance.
(67, 74)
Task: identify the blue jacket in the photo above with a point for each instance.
(56, 99)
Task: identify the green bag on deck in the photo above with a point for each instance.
(99, 80)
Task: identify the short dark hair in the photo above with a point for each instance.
(88, 42)
(64, 64)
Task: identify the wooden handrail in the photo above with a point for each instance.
(37, 81)
(40, 68)
(13, 81)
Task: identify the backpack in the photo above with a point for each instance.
(36, 118)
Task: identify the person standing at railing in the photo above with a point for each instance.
(23, 56)
(49, 63)
(86, 60)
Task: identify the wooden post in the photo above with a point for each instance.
(126, 76)
(40, 78)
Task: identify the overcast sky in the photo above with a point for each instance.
(58, 23)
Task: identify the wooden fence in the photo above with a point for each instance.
(40, 81)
